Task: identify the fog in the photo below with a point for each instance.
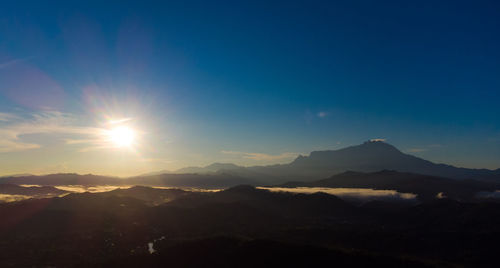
(107, 188)
(12, 197)
(190, 189)
(351, 194)
(91, 189)
(495, 194)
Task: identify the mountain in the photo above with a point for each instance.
(426, 187)
(17, 175)
(215, 167)
(154, 173)
(151, 196)
(370, 156)
(215, 180)
(377, 155)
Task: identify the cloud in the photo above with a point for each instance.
(6, 117)
(417, 150)
(424, 148)
(495, 194)
(262, 156)
(350, 194)
(14, 127)
(323, 114)
(375, 140)
(5, 198)
(434, 145)
(9, 63)
(119, 121)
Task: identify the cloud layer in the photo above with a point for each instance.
(351, 194)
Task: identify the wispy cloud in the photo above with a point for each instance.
(417, 150)
(14, 127)
(262, 156)
(323, 114)
(378, 139)
(434, 145)
(6, 117)
(424, 148)
(119, 121)
(9, 63)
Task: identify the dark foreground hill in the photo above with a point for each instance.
(244, 227)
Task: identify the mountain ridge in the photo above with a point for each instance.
(370, 156)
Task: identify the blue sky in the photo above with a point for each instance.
(245, 82)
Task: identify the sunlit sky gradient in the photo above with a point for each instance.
(249, 83)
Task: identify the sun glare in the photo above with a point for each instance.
(122, 136)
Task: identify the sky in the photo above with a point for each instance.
(247, 82)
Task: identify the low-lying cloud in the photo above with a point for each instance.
(91, 189)
(495, 194)
(351, 194)
(5, 198)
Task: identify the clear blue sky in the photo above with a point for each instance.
(246, 82)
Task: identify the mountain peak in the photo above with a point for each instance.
(218, 165)
(378, 143)
(371, 148)
(370, 156)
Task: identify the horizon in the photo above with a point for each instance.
(125, 88)
(177, 171)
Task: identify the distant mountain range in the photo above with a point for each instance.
(208, 181)
(371, 156)
(215, 167)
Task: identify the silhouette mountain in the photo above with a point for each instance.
(370, 156)
(150, 196)
(377, 155)
(216, 180)
(215, 167)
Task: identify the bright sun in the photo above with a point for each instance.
(122, 136)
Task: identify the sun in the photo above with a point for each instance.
(122, 136)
